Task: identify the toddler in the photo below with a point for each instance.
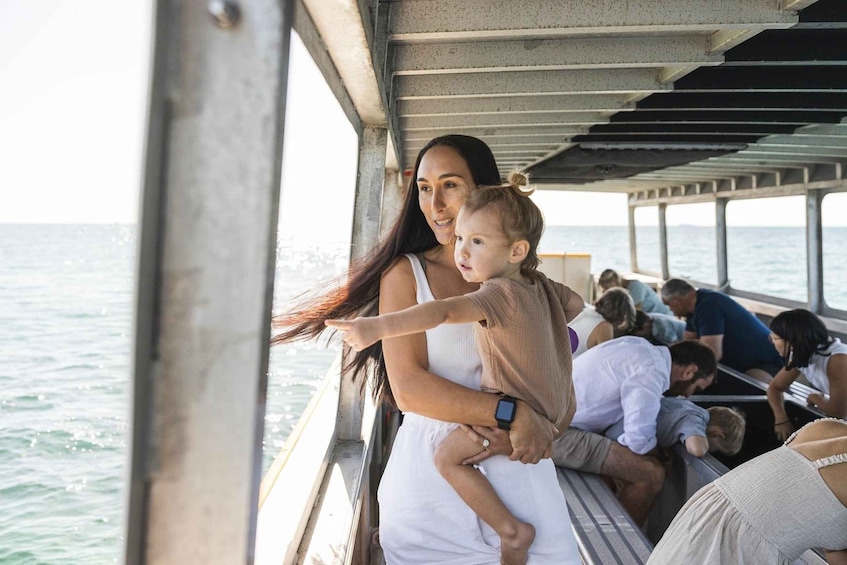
(701, 430)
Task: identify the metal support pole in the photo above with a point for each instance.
(663, 241)
(392, 200)
(814, 249)
(366, 217)
(720, 241)
(207, 244)
(369, 186)
(633, 252)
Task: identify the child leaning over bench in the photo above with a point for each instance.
(701, 430)
(522, 336)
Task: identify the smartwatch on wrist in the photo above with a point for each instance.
(505, 413)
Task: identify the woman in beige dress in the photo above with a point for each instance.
(771, 509)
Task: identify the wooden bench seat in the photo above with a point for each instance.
(604, 531)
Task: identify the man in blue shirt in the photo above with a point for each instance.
(738, 338)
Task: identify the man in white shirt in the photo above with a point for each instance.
(625, 378)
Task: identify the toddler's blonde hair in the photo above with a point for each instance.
(733, 425)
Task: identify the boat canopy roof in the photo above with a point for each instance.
(663, 99)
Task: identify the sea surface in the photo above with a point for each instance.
(66, 301)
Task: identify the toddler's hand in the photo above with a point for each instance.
(358, 334)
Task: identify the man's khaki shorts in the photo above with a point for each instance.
(581, 450)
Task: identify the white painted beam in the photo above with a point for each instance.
(763, 158)
(417, 142)
(792, 141)
(340, 26)
(417, 123)
(558, 132)
(553, 54)
(514, 105)
(529, 83)
(795, 4)
(765, 149)
(784, 162)
(458, 20)
(726, 39)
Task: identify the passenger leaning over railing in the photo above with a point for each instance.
(717, 429)
(625, 379)
(806, 348)
(644, 297)
(613, 314)
(665, 328)
(657, 328)
(737, 337)
(771, 509)
(435, 378)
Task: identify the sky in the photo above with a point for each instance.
(73, 83)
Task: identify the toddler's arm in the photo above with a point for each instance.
(360, 333)
(698, 446)
(574, 306)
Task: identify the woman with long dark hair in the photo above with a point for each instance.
(434, 378)
(806, 348)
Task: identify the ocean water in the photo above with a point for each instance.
(65, 344)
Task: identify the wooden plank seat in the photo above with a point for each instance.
(604, 531)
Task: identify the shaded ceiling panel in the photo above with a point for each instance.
(773, 87)
(580, 164)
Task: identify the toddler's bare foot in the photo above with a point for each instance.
(514, 548)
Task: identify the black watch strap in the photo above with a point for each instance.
(505, 413)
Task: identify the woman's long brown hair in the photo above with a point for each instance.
(357, 292)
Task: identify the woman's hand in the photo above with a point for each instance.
(815, 399)
(531, 435)
(783, 430)
(492, 441)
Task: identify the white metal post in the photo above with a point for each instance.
(633, 253)
(663, 241)
(720, 242)
(814, 249)
(205, 279)
(366, 219)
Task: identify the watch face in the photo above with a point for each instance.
(505, 411)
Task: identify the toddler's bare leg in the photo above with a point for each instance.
(477, 492)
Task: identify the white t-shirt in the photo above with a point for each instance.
(623, 378)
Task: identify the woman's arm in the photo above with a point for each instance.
(601, 332)
(715, 343)
(417, 390)
(836, 373)
(836, 557)
(776, 398)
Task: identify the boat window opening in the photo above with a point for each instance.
(607, 245)
(834, 250)
(647, 240)
(692, 251)
(766, 247)
(313, 239)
